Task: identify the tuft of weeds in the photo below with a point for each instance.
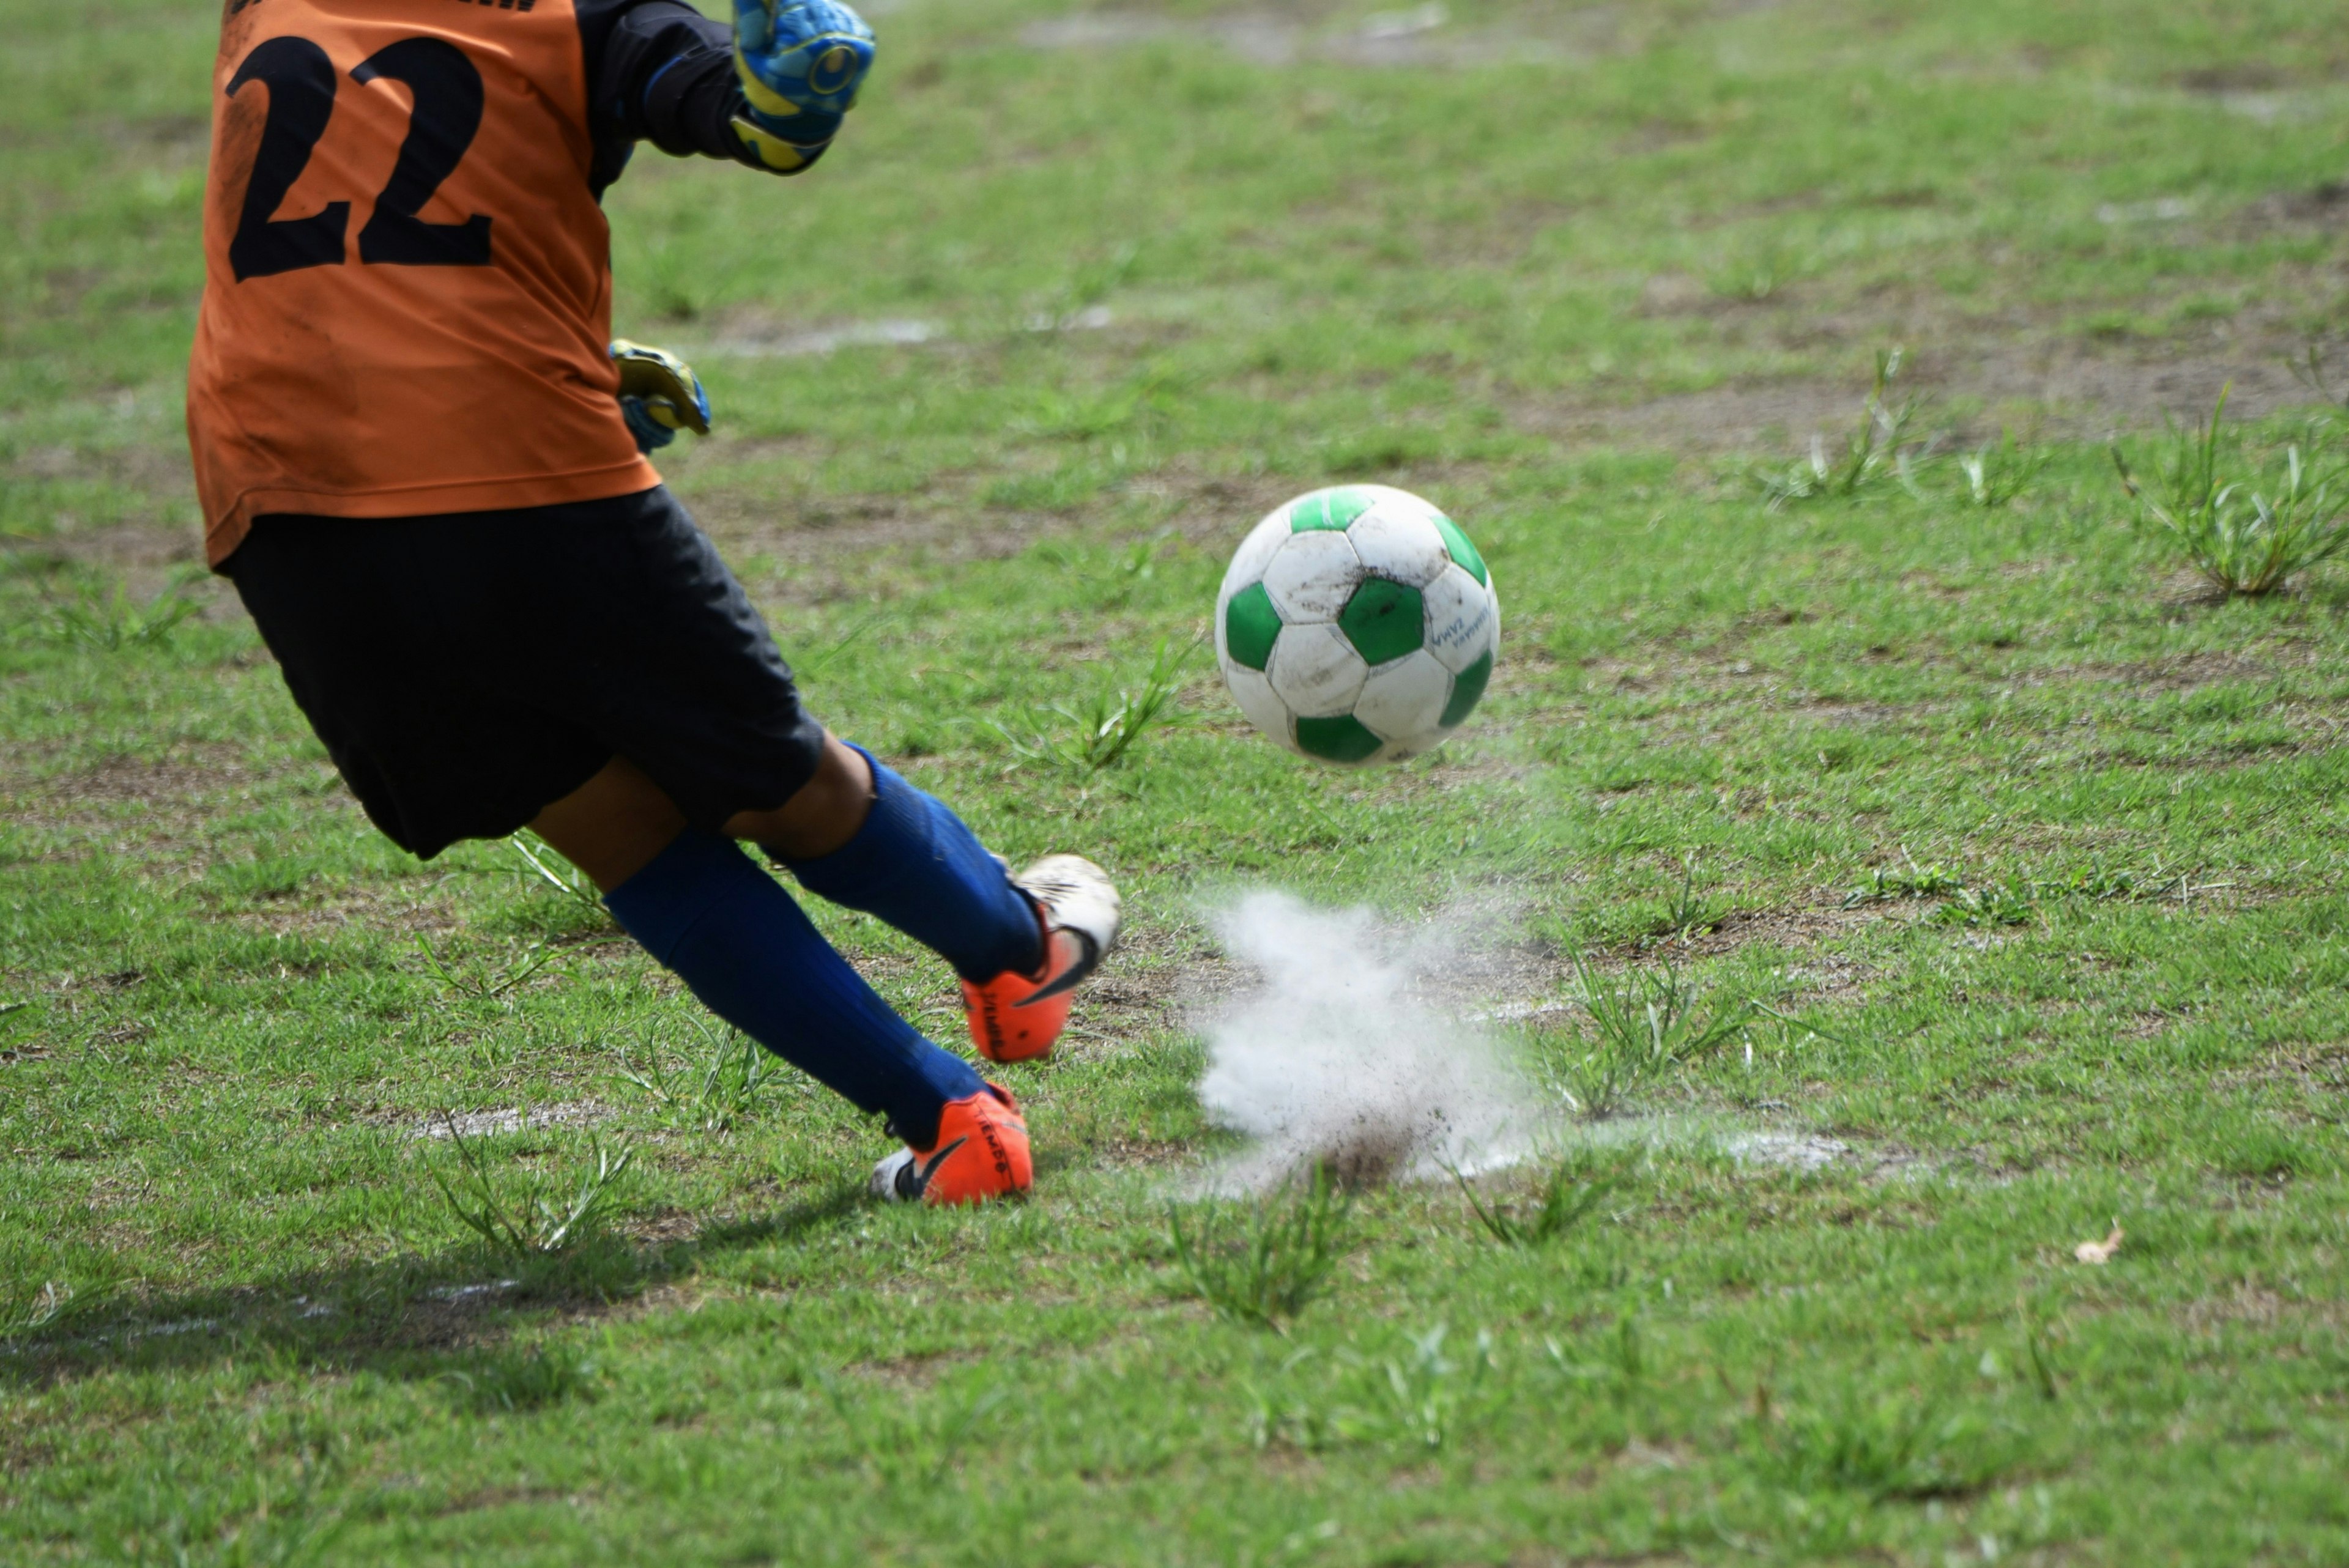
(736, 1071)
(1264, 1262)
(1417, 1401)
(566, 879)
(664, 265)
(1875, 450)
(485, 984)
(512, 1379)
(1089, 282)
(1884, 1448)
(543, 1221)
(1885, 883)
(1622, 1368)
(1098, 732)
(112, 622)
(1639, 1029)
(1424, 1391)
(2243, 541)
(1568, 1194)
(2312, 372)
(1756, 276)
(1296, 1422)
(39, 1308)
(2013, 902)
(2039, 1334)
(909, 1447)
(234, 1525)
(1087, 417)
(1689, 912)
(2092, 883)
(809, 668)
(1998, 471)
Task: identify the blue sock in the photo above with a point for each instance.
(730, 932)
(914, 864)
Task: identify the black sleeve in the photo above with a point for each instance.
(658, 71)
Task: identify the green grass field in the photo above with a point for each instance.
(999, 386)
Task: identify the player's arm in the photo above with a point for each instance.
(769, 92)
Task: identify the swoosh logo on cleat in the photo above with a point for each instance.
(1071, 978)
(923, 1170)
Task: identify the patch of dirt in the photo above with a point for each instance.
(149, 555)
(756, 334)
(830, 545)
(380, 903)
(2250, 1302)
(1829, 975)
(1865, 715)
(2322, 206)
(2233, 76)
(1419, 37)
(2316, 1069)
(2211, 759)
(1803, 1151)
(190, 774)
(2184, 673)
(491, 1123)
(161, 805)
(498, 1496)
(153, 547)
(1796, 929)
(830, 542)
(2068, 387)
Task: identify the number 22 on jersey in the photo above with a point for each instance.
(301, 84)
(407, 278)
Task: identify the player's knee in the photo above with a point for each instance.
(823, 816)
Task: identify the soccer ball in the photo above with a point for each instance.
(1357, 625)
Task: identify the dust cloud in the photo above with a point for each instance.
(1351, 1051)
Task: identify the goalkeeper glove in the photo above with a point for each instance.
(800, 63)
(659, 394)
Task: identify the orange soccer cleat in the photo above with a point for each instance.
(981, 1152)
(1017, 1018)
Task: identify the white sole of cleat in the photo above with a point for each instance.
(884, 1182)
(1078, 898)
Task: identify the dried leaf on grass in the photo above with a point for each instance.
(2101, 1252)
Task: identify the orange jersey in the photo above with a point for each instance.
(407, 278)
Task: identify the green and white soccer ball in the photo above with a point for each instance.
(1357, 625)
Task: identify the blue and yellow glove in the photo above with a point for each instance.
(800, 61)
(659, 394)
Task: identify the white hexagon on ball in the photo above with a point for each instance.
(1253, 691)
(1402, 701)
(1255, 554)
(1464, 619)
(1315, 670)
(1312, 575)
(1398, 543)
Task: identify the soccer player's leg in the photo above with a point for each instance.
(1021, 944)
(471, 672)
(661, 655)
(726, 928)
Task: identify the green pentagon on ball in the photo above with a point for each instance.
(1251, 624)
(1383, 620)
(1344, 739)
(1464, 554)
(1467, 689)
(1330, 509)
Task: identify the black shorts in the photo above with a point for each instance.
(467, 670)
